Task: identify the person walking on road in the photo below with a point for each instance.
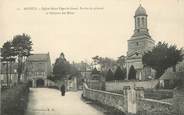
(63, 90)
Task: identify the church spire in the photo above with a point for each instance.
(140, 21)
(140, 2)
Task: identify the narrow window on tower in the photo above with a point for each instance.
(138, 22)
(143, 21)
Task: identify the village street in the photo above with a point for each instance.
(44, 101)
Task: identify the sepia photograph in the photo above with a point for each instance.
(92, 57)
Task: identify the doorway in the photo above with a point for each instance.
(40, 83)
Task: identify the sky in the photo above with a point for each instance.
(85, 33)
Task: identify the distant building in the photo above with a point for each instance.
(170, 80)
(139, 43)
(38, 68)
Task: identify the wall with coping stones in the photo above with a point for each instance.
(118, 85)
(124, 102)
(154, 107)
(117, 101)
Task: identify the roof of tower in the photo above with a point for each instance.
(140, 11)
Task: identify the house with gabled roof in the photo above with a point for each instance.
(38, 68)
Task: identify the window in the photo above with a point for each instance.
(143, 21)
(138, 22)
(137, 43)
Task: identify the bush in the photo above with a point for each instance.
(132, 73)
(15, 100)
(109, 76)
(119, 74)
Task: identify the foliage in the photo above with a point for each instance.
(22, 47)
(7, 51)
(62, 68)
(15, 100)
(119, 74)
(121, 61)
(74, 70)
(82, 66)
(162, 57)
(105, 63)
(109, 75)
(95, 71)
(132, 73)
(124, 73)
(51, 77)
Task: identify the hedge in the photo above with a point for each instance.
(14, 100)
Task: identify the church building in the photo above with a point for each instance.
(139, 43)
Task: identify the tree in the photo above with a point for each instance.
(105, 63)
(7, 50)
(119, 75)
(132, 73)
(162, 57)
(74, 70)
(124, 73)
(109, 75)
(82, 66)
(121, 61)
(61, 67)
(7, 55)
(22, 45)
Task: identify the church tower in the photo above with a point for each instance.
(139, 43)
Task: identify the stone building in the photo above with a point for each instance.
(38, 68)
(139, 43)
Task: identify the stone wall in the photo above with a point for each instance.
(119, 85)
(117, 101)
(154, 107)
(158, 94)
(96, 84)
(132, 101)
